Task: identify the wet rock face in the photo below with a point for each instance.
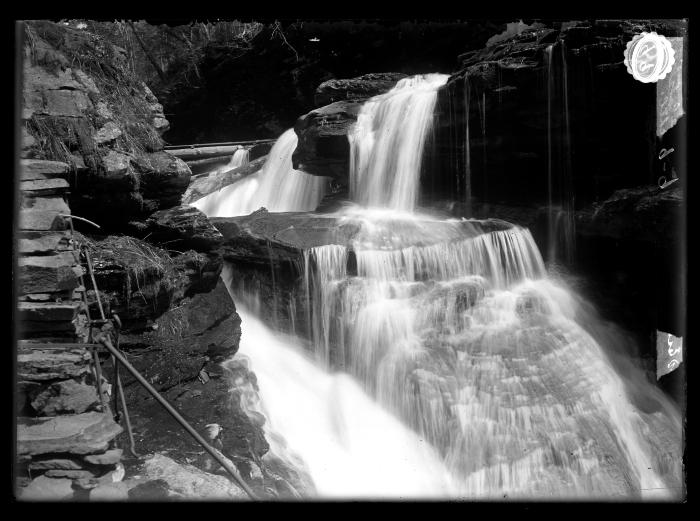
(557, 97)
(323, 148)
(83, 106)
(199, 333)
(645, 213)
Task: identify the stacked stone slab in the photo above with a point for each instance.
(65, 442)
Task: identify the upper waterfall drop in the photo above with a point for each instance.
(277, 187)
(386, 143)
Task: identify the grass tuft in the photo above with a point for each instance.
(145, 264)
(56, 47)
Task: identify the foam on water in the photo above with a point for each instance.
(444, 360)
(277, 187)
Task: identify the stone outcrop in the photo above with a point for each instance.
(643, 213)
(140, 281)
(88, 433)
(182, 228)
(205, 184)
(197, 335)
(323, 148)
(359, 88)
(188, 482)
(83, 106)
(266, 254)
(262, 237)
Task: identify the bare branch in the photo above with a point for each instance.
(277, 31)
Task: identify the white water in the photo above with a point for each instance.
(473, 347)
(561, 222)
(449, 364)
(277, 187)
(348, 444)
(397, 120)
(239, 158)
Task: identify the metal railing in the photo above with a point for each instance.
(103, 338)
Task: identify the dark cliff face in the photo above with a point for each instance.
(262, 91)
(82, 105)
(554, 101)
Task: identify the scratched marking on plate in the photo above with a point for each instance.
(669, 353)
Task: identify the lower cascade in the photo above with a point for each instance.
(444, 360)
(277, 187)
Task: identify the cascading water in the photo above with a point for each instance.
(447, 363)
(397, 120)
(239, 158)
(277, 187)
(467, 341)
(561, 224)
(328, 426)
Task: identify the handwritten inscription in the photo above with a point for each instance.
(669, 353)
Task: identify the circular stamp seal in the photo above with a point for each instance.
(649, 57)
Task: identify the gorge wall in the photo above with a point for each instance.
(92, 148)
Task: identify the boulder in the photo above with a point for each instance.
(43, 242)
(41, 220)
(40, 365)
(117, 168)
(188, 482)
(86, 433)
(202, 331)
(139, 281)
(111, 457)
(70, 474)
(151, 490)
(44, 488)
(181, 228)
(70, 103)
(50, 203)
(65, 397)
(33, 169)
(164, 178)
(48, 311)
(47, 274)
(110, 492)
(38, 187)
(262, 237)
(108, 133)
(55, 464)
(323, 148)
(359, 88)
(643, 213)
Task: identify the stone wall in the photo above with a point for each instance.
(65, 439)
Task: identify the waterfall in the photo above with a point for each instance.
(466, 340)
(442, 360)
(326, 425)
(277, 187)
(386, 143)
(561, 224)
(239, 158)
